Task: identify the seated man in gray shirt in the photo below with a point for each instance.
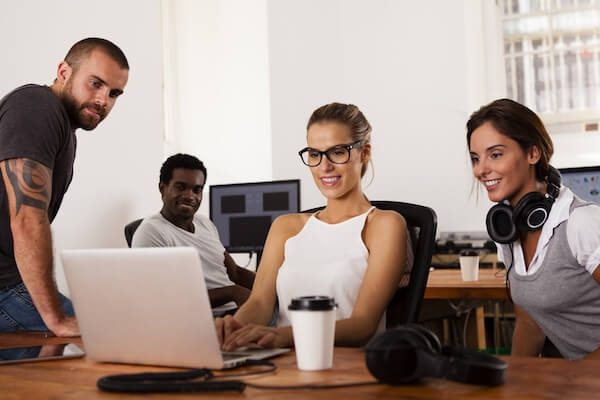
(182, 178)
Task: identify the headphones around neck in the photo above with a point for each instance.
(410, 352)
(504, 223)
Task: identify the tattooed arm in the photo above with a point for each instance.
(29, 186)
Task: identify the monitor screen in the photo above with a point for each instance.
(243, 212)
(584, 182)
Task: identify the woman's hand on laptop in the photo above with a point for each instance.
(260, 335)
(225, 326)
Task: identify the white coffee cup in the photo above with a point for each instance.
(313, 326)
(469, 266)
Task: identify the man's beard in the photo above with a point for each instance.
(76, 112)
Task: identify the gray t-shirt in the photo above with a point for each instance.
(35, 125)
(156, 231)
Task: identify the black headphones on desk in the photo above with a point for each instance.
(504, 223)
(410, 352)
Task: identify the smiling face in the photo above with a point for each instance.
(90, 89)
(336, 180)
(503, 167)
(182, 195)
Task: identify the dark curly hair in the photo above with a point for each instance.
(179, 160)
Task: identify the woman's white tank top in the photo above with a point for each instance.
(324, 259)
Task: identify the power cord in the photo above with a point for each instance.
(203, 380)
(464, 335)
(250, 255)
(312, 386)
(507, 281)
(460, 309)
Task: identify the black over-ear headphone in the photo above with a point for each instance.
(410, 352)
(504, 223)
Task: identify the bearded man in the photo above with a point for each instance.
(37, 152)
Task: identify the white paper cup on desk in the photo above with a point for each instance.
(313, 326)
(469, 265)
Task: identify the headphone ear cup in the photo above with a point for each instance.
(531, 212)
(402, 355)
(500, 224)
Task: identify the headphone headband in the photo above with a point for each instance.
(553, 179)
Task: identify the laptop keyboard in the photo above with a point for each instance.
(232, 355)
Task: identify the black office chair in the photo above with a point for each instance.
(422, 223)
(130, 229)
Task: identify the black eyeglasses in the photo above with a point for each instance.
(339, 154)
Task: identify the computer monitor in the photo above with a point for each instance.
(243, 212)
(583, 181)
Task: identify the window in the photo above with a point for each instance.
(552, 62)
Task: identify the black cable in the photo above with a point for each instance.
(167, 382)
(110, 384)
(202, 380)
(507, 281)
(312, 386)
(464, 333)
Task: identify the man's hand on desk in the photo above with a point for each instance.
(49, 350)
(239, 294)
(236, 293)
(64, 327)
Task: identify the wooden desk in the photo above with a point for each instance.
(448, 284)
(531, 378)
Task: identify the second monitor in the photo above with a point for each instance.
(243, 212)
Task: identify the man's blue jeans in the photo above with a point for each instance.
(17, 311)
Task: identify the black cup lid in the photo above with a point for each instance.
(468, 253)
(312, 303)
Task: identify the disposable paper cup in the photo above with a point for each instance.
(313, 326)
(469, 268)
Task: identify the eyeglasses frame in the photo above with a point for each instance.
(356, 144)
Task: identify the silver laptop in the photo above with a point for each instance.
(147, 306)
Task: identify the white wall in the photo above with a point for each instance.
(259, 68)
(248, 74)
(217, 87)
(407, 66)
(116, 169)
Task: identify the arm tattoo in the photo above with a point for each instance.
(30, 181)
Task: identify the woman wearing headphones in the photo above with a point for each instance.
(349, 250)
(548, 237)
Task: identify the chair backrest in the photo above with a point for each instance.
(422, 223)
(130, 229)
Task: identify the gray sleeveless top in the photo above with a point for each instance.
(562, 296)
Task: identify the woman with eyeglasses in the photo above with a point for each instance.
(349, 250)
(548, 237)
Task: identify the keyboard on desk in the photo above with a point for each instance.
(252, 353)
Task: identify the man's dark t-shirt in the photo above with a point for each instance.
(35, 125)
